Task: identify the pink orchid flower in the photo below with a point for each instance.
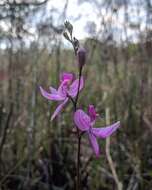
(85, 123)
(68, 88)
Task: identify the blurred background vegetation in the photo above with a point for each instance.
(36, 153)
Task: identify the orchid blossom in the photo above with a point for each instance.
(68, 88)
(85, 123)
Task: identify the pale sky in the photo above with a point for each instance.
(90, 13)
(74, 11)
(80, 14)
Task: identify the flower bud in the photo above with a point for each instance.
(81, 56)
(66, 36)
(68, 26)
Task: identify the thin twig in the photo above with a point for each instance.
(5, 130)
(109, 158)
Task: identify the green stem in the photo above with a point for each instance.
(77, 96)
(78, 134)
(78, 162)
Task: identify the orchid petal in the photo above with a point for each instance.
(105, 131)
(82, 120)
(63, 88)
(74, 87)
(51, 96)
(94, 144)
(59, 108)
(53, 90)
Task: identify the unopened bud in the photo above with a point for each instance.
(81, 56)
(69, 27)
(66, 36)
(76, 44)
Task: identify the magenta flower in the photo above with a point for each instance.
(68, 88)
(85, 123)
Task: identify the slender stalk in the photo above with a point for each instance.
(78, 151)
(74, 102)
(78, 162)
(109, 158)
(77, 96)
(78, 135)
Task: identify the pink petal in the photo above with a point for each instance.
(82, 120)
(66, 76)
(74, 87)
(53, 90)
(63, 88)
(94, 144)
(50, 96)
(59, 108)
(106, 131)
(92, 112)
